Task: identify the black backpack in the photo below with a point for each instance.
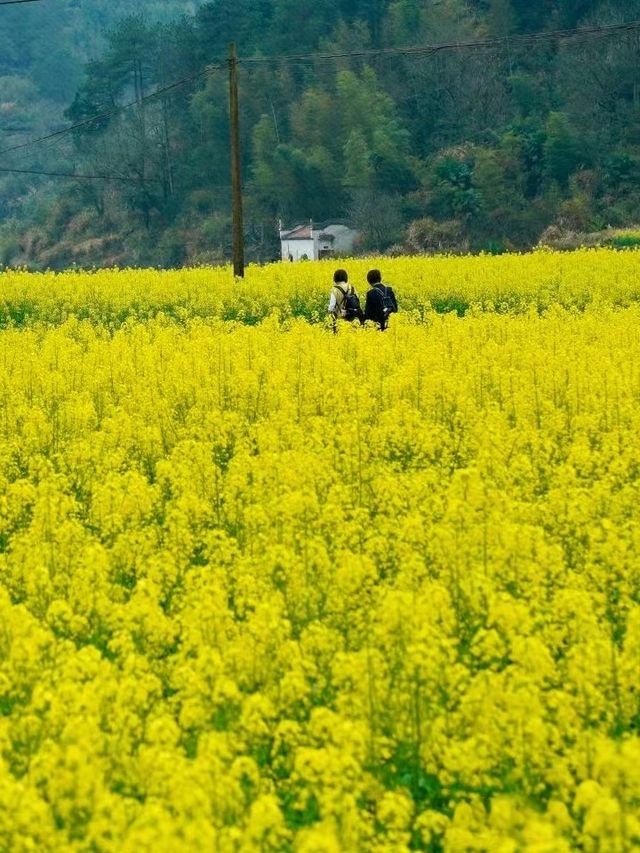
(388, 305)
(351, 309)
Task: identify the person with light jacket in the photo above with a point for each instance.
(344, 302)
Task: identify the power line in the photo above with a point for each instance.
(130, 180)
(478, 44)
(418, 50)
(82, 177)
(68, 175)
(110, 113)
(14, 2)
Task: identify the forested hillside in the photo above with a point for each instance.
(451, 150)
(45, 45)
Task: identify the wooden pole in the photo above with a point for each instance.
(236, 176)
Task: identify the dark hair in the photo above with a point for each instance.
(340, 276)
(374, 277)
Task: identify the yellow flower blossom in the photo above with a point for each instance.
(264, 587)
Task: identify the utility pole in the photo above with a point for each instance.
(236, 176)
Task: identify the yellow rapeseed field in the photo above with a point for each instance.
(267, 588)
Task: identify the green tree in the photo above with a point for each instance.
(451, 192)
(501, 18)
(488, 147)
(562, 150)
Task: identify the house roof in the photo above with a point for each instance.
(324, 230)
(300, 232)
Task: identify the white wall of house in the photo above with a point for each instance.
(337, 240)
(298, 249)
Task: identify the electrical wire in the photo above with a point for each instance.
(82, 177)
(15, 2)
(57, 134)
(129, 180)
(426, 50)
(417, 50)
(68, 175)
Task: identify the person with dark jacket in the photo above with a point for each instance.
(381, 300)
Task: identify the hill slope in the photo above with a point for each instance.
(455, 150)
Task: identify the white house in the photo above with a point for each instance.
(315, 242)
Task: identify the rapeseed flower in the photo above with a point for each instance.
(264, 587)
